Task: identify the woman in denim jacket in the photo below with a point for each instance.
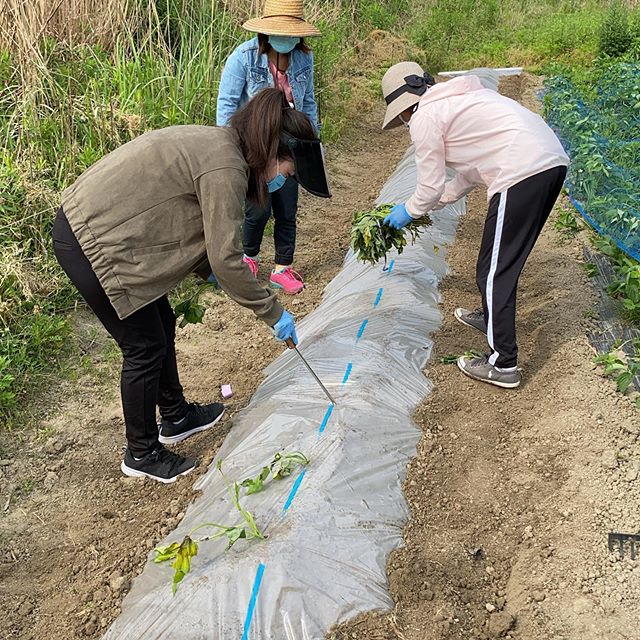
(277, 57)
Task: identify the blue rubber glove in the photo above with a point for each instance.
(285, 328)
(398, 218)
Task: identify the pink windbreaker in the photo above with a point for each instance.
(487, 138)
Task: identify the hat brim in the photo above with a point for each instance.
(400, 104)
(281, 26)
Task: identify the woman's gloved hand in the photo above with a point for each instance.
(398, 218)
(285, 328)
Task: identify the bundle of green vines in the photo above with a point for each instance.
(372, 240)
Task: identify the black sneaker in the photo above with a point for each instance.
(474, 319)
(161, 465)
(199, 417)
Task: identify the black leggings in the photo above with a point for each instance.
(146, 338)
(283, 203)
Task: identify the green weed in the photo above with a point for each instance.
(620, 366)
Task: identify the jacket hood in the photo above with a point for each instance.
(454, 87)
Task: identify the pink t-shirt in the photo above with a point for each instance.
(282, 82)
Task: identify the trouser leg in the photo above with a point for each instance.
(141, 338)
(171, 402)
(285, 208)
(514, 222)
(255, 220)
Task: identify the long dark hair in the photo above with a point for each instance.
(259, 124)
(265, 47)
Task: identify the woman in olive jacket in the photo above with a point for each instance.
(145, 216)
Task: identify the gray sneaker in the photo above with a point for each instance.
(480, 369)
(474, 319)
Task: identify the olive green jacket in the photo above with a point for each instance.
(150, 212)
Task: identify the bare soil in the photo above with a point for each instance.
(513, 493)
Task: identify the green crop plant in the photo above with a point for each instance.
(453, 358)
(620, 366)
(567, 223)
(282, 466)
(189, 310)
(626, 287)
(372, 240)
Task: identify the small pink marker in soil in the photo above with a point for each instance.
(226, 390)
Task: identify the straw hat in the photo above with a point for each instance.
(402, 86)
(282, 18)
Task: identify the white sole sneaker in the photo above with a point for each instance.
(134, 473)
(183, 436)
(494, 381)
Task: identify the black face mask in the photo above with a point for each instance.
(308, 158)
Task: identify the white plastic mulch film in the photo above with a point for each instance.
(330, 526)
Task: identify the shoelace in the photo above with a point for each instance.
(477, 362)
(289, 272)
(477, 314)
(162, 454)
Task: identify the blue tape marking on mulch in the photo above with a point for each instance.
(361, 330)
(252, 601)
(294, 490)
(375, 304)
(347, 373)
(325, 420)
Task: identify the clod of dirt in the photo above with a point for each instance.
(500, 623)
(609, 459)
(118, 582)
(633, 471)
(54, 446)
(538, 596)
(50, 480)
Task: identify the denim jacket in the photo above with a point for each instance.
(247, 72)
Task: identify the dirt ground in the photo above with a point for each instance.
(512, 493)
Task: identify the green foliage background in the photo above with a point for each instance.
(66, 105)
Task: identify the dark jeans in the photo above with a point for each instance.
(514, 222)
(146, 338)
(284, 204)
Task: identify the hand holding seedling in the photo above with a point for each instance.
(372, 240)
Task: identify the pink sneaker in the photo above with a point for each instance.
(253, 263)
(288, 280)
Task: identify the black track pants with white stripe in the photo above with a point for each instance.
(514, 222)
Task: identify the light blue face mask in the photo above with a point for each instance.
(278, 182)
(283, 44)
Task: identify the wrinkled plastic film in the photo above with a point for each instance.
(331, 526)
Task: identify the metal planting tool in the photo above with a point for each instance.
(292, 345)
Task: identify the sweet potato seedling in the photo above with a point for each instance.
(282, 466)
(372, 240)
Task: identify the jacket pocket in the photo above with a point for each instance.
(258, 76)
(302, 76)
(139, 252)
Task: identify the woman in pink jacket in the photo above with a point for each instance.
(489, 140)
